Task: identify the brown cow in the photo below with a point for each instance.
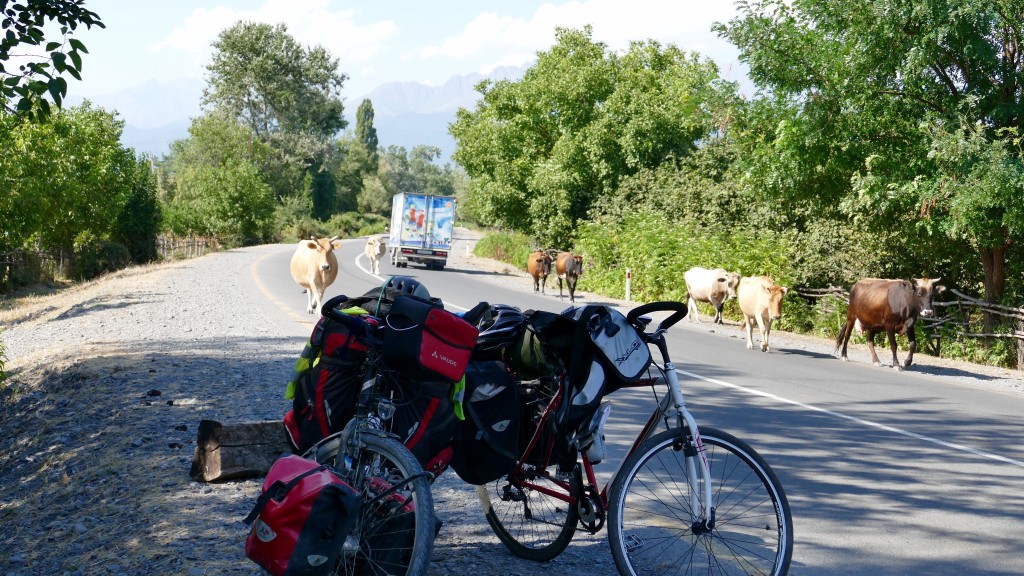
(568, 267)
(760, 301)
(314, 266)
(538, 264)
(712, 286)
(892, 306)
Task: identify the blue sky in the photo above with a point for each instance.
(384, 40)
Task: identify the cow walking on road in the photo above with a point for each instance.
(760, 301)
(538, 264)
(712, 286)
(314, 267)
(890, 306)
(375, 249)
(568, 267)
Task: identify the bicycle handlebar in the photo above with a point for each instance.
(678, 310)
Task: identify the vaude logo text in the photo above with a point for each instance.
(444, 359)
(625, 355)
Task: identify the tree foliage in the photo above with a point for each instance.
(544, 150)
(216, 184)
(88, 177)
(289, 97)
(365, 132)
(261, 75)
(883, 109)
(37, 77)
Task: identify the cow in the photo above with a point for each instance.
(712, 286)
(375, 249)
(314, 266)
(760, 301)
(568, 267)
(892, 306)
(538, 264)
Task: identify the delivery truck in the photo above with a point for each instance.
(421, 229)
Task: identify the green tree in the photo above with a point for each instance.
(289, 97)
(863, 101)
(37, 78)
(544, 150)
(138, 223)
(365, 132)
(350, 170)
(217, 186)
(65, 179)
(415, 171)
(261, 75)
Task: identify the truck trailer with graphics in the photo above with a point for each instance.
(421, 229)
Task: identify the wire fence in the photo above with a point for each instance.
(20, 268)
(183, 247)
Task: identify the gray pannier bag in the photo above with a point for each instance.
(623, 350)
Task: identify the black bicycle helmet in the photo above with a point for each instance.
(499, 327)
(408, 285)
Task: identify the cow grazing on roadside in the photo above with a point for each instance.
(314, 267)
(538, 264)
(760, 301)
(375, 249)
(568, 267)
(711, 286)
(890, 306)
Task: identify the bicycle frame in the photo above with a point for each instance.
(671, 407)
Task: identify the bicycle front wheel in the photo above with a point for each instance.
(395, 533)
(654, 529)
(530, 523)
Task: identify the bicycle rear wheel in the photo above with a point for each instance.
(395, 534)
(530, 523)
(652, 524)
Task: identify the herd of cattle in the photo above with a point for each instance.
(876, 305)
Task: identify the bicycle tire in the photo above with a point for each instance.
(383, 547)
(529, 523)
(650, 524)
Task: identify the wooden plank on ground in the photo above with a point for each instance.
(231, 451)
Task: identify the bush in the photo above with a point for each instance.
(658, 252)
(511, 247)
(99, 257)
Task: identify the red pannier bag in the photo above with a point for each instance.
(301, 519)
(421, 338)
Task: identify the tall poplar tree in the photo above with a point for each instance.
(365, 132)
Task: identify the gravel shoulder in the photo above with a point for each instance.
(108, 382)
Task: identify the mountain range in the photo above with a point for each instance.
(405, 113)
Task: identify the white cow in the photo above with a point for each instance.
(760, 301)
(314, 267)
(375, 249)
(712, 286)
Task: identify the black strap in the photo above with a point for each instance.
(580, 342)
(277, 491)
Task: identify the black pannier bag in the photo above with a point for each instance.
(425, 421)
(326, 381)
(485, 446)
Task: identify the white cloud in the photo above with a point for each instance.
(310, 22)
(515, 41)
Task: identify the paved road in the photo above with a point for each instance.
(888, 473)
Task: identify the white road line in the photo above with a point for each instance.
(860, 421)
